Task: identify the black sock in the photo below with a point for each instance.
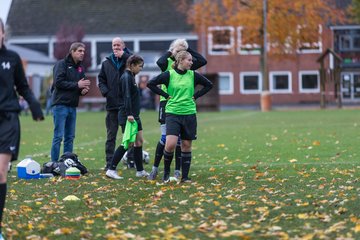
(185, 164)
(167, 161)
(118, 154)
(138, 158)
(177, 157)
(2, 200)
(158, 154)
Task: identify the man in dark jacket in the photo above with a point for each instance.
(69, 84)
(12, 82)
(111, 70)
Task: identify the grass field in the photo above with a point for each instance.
(276, 175)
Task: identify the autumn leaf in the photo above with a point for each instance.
(63, 231)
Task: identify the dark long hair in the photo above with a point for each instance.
(2, 25)
(134, 59)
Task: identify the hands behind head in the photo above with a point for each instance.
(177, 49)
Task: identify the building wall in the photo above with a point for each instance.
(237, 64)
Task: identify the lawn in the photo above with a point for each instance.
(276, 175)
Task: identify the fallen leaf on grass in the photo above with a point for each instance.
(63, 231)
(71, 198)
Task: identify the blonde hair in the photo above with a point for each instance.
(179, 57)
(180, 42)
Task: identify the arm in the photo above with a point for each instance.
(162, 62)
(198, 59)
(163, 78)
(126, 82)
(207, 85)
(24, 90)
(103, 81)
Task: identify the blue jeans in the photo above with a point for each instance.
(64, 128)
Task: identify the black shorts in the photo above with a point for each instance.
(10, 134)
(183, 125)
(162, 114)
(138, 122)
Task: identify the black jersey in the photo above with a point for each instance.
(12, 80)
(130, 93)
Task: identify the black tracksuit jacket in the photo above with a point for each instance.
(108, 78)
(12, 80)
(130, 93)
(66, 76)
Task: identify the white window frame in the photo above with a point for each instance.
(227, 47)
(231, 83)
(305, 51)
(309, 72)
(244, 91)
(240, 45)
(274, 73)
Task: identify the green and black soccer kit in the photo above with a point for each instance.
(131, 107)
(165, 63)
(180, 108)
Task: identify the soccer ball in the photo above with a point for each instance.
(146, 158)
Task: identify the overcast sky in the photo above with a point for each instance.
(4, 9)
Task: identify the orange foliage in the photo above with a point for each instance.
(289, 21)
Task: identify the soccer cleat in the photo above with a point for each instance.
(186, 180)
(113, 174)
(166, 177)
(142, 173)
(152, 175)
(177, 174)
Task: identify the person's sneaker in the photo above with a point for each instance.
(113, 174)
(1, 237)
(186, 180)
(177, 174)
(153, 174)
(142, 173)
(166, 177)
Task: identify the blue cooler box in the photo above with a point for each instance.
(28, 169)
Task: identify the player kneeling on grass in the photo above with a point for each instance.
(180, 109)
(130, 113)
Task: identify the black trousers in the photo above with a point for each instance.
(112, 127)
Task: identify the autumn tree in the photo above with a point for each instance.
(291, 24)
(355, 10)
(65, 36)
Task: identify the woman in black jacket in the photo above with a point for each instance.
(130, 111)
(12, 82)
